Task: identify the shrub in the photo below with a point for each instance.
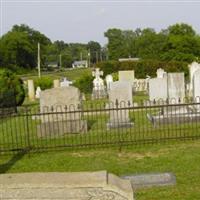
(12, 90)
(144, 67)
(84, 83)
(44, 83)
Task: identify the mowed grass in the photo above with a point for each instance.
(71, 74)
(180, 158)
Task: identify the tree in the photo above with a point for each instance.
(11, 88)
(95, 51)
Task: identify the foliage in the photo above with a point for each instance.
(143, 68)
(19, 47)
(84, 83)
(44, 82)
(178, 42)
(13, 86)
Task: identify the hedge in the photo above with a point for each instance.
(143, 68)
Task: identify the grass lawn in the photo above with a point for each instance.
(180, 158)
(70, 74)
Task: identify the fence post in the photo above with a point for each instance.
(28, 146)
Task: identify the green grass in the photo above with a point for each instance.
(70, 74)
(182, 159)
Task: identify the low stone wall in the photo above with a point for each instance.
(65, 186)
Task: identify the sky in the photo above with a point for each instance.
(86, 20)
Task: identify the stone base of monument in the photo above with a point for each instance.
(65, 186)
(118, 124)
(99, 94)
(157, 120)
(59, 128)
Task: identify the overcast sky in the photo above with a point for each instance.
(82, 21)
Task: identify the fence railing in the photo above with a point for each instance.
(97, 123)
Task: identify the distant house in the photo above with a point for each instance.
(128, 59)
(80, 64)
(52, 65)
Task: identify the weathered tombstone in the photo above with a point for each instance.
(60, 112)
(128, 75)
(37, 93)
(109, 80)
(31, 90)
(120, 96)
(98, 85)
(140, 85)
(192, 69)
(158, 89)
(65, 186)
(176, 87)
(56, 83)
(65, 83)
(196, 89)
(160, 73)
(196, 85)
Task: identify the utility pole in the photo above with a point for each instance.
(89, 58)
(97, 57)
(81, 56)
(60, 56)
(38, 63)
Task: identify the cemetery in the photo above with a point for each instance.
(89, 118)
(115, 112)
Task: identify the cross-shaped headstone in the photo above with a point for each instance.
(97, 73)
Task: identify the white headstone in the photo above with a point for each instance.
(56, 83)
(120, 96)
(109, 80)
(160, 73)
(158, 89)
(59, 108)
(176, 87)
(65, 83)
(127, 76)
(192, 69)
(196, 86)
(37, 93)
(31, 90)
(98, 85)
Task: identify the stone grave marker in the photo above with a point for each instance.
(128, 75)
(109, 80)
(158, 89)
(98, 85)
(37, 93)
(176, 87)
(56, 83)
(65, 186)
(66, 101)
(192, 69)
(160, 73)
(120, 96)
(31, 90)
(65, 83)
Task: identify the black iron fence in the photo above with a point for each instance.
(97, 123)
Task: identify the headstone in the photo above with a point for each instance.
(31, 90)
(192, 69)
(139, 181)
(61, 112)
(56, 83)
(140, 85)
(127, 76)
(98, 85)
(109, 80)
(37, 93)
(120, 96)
(158, 89)
(160, 73)
(65, 83)
(196, 88)
(65, 186)
(176, 87)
